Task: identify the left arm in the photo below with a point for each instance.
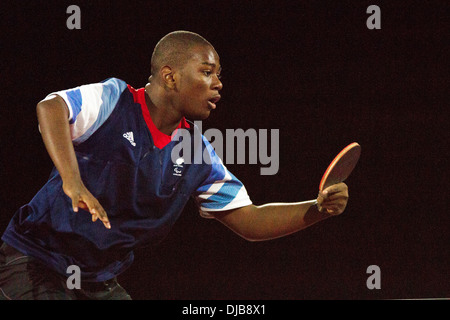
(274, 220)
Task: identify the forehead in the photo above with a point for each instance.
(204, 55)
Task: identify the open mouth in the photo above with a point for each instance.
(212, 102)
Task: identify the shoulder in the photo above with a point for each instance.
(114, 83)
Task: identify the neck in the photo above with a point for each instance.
(163, 115)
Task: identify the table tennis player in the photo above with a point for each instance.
(113, 187)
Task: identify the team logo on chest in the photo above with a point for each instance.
(129, 137)
(178, 167)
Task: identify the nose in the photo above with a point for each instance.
(217, 84)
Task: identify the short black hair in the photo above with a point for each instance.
(174, 49)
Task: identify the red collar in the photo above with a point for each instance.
(159, 139)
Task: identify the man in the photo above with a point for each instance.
(112, 148)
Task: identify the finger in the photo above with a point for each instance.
(336, 188)
(75, 201)
(331, 190)
(335, 209)
(332, 211)
(102, 214)
(332, 207)
(338, 197)
(321, 198)
(97, 211)
(324, 194)
(339, 202)
(319, 207)
(82, 205)
(333, 202)
(319, 202)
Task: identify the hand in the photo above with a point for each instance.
(333, 199)
(82, 198)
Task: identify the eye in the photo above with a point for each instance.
(209, 73)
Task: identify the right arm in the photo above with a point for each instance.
(53, 115)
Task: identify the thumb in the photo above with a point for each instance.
(321, 197)
(75, 201)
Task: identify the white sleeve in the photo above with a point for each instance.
(90, 105)
(221, 190)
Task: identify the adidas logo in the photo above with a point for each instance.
(129, 137)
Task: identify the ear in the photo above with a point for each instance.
(167, 75)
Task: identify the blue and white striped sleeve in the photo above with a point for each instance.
(90, 105)
(221, 190)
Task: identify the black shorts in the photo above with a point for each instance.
(25, 278)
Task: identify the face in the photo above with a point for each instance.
(198, 84)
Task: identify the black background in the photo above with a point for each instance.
(311, 69)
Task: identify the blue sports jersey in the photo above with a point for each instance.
(126, 163)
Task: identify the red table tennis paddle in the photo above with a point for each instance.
(341, 167)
